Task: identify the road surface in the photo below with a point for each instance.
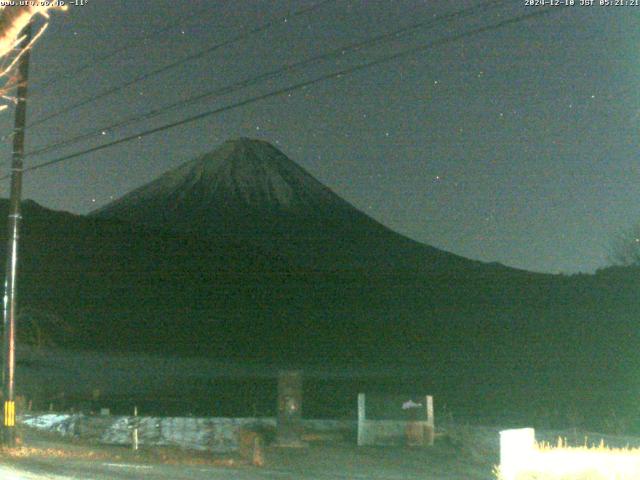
(314, 463)
(469, 456)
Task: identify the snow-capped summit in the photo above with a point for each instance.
(250, 192)
(243, 179)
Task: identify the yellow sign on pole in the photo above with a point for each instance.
(9, 413)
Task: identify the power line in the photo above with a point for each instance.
(177, 63)
(337, 52)
(298, 86)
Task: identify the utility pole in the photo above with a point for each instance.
(11, 273)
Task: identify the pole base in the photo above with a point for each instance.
(9, 437)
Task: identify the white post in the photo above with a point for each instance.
(431, 426)
(135, 429)
(429, 404)
(517, 448)
(361, 418)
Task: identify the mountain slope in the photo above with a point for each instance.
(491, 334)
(242, 256)
(250, 191)
(511, 338)
(230, 190)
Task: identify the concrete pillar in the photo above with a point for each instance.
(517, 448)
(289, 429)
(430, 432)
(361, 419)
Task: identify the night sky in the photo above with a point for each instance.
(517, 145)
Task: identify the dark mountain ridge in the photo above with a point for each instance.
(249, 191)
(310, 280)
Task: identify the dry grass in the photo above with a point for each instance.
(31, 452)
(586, 462)
(37, 444)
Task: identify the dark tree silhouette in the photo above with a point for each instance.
(625, 248)
(39, 328)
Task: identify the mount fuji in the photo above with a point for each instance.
(249, 191)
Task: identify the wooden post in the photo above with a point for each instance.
(13, 234)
